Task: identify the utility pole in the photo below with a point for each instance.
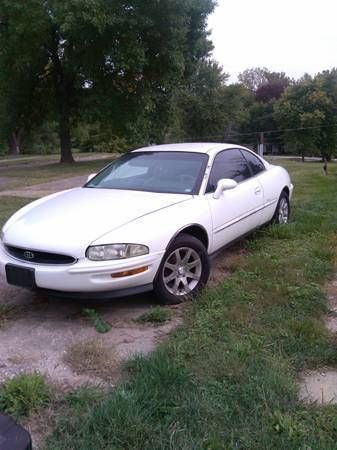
(261, 144)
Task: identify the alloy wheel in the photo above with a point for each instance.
(182, 271)
(283, 213)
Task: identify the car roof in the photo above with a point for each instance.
(199, 147)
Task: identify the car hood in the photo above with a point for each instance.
(70, 221)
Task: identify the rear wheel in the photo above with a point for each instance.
(282, 212)
(183, 272)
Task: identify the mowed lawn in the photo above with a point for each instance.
(228, 378)
(23, 172)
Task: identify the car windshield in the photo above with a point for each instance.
(162, 172)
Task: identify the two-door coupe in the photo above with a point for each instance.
(149, 220)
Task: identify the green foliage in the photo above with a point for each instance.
(207, 108)
(309, 106)
(156, 315)
(98, 138)
(113, 62)
(101, 325)
(24, 394)
(43, 139)
(257, 78)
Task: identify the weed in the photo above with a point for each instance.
(156, 315)
(101, 325)
(24, 394)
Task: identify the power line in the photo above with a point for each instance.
(284, 130)
(257, 133)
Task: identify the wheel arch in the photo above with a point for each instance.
(196, 230)
(286, 190)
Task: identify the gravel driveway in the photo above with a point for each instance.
(39, 330)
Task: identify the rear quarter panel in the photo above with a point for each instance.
(273, 181)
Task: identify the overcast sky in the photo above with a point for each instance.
(293, 36)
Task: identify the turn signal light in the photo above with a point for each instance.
(127, 273)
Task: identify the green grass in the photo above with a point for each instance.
(37, 172)
(8, 205)
(156, 316)
(24, 394)
(228, 378)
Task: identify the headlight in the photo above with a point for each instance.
(116, 251)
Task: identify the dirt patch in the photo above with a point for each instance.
(319, 386)
(38, 337)
(226, 262)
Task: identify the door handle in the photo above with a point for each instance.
(257, 190)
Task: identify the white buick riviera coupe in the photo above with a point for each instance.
(149, 220)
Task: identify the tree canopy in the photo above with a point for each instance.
(97, 58)
(103, 74)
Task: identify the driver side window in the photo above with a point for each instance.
(228, 164)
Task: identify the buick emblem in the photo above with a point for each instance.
(29, 255)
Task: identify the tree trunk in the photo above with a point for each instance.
(63, 86)
(15, 143)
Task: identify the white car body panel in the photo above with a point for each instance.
(229, 223)
(75, 218)
(69, 222)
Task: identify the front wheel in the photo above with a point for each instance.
(282, 212)
(183, 272)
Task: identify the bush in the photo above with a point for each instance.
(24, 394)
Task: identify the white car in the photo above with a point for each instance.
(149, 220)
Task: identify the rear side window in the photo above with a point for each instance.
(255, 164)
(228, 164)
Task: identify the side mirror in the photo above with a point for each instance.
(225, 184)
(91, 176)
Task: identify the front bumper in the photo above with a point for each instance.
(87, 276)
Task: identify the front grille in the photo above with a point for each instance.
(38, 257)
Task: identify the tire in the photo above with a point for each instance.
(185, 256)
(282, 212)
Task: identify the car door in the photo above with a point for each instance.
(238, 210)
(267, 180)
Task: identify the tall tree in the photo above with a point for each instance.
(302, 110)
(267, 87)
(264, 83)
(209, 109)
(116, 57)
